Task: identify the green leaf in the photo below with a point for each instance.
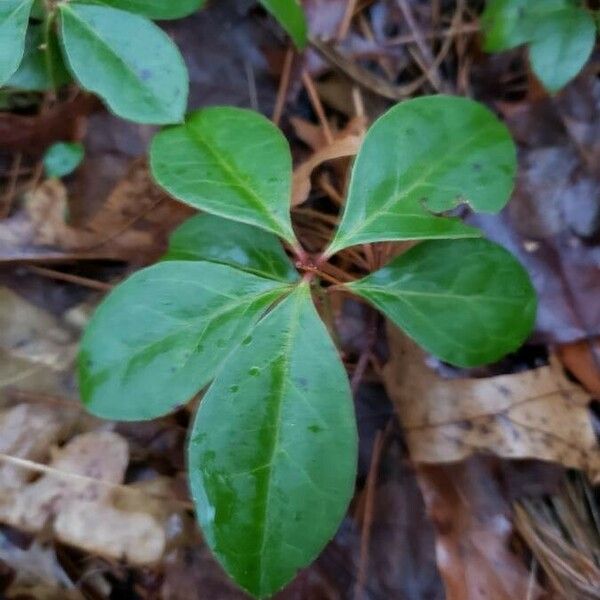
(230, 162)
(42, 67)
(63, 158)
(159, 337)
(506, 23)
(426, 155)
(272, 454)
(291, 17)
(156, 9)
(127, 60)
(14, 17)
(38, 11)
(560, 33)
(469, 302)
(212, 238)
(561, 45)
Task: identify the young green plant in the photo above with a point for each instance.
(112, 48)
(560, 35)
(273, 449)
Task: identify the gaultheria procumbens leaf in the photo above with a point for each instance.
(273, 450)
(469, 302)
(561, 45)
(560, 33)
(230, 162)
(291, 17)
(159, 337)
(426, 156)
(506, 23)
(156, 9)
(127, 60)
(62, 158)
(42, 67)
(212, 238)
(14, 17)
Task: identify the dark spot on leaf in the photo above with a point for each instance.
(302, 383)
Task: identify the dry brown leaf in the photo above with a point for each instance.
(473, 531)
(82, 512)
(581, 358)
(28, 431)
(101, 529)
(47, 209)
(535, 414)
(133, 223)
(37, 350)
(32, 134)
(340, 148)
(37, 573)
(346, 143)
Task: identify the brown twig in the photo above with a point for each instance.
(317, 106)
(365, 538)
(51, 471)
(284, 83)
(9, 195)
(347, 20)
(70, 278)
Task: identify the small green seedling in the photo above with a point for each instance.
(291, 17)
(273, 449)
(112, 48)
(63, 158)
(560, 35)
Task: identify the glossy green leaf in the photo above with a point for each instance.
(425, 156)
(212, 238)
(159, 337)
(14, 17)
(230, 162)
(291, 17)
(63, 158)
(42, 67)
(560, 33)
(156, 9)
(469, 302)
(127, 60)
(561, 45)
(272, 454)
(506, 23)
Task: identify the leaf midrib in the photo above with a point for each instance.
(401, 196)
(286, 354)
(282, 228)
(442, 295)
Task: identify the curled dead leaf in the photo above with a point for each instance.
(340, 148)
(132, 224)
(534, 414)
(346, 143)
